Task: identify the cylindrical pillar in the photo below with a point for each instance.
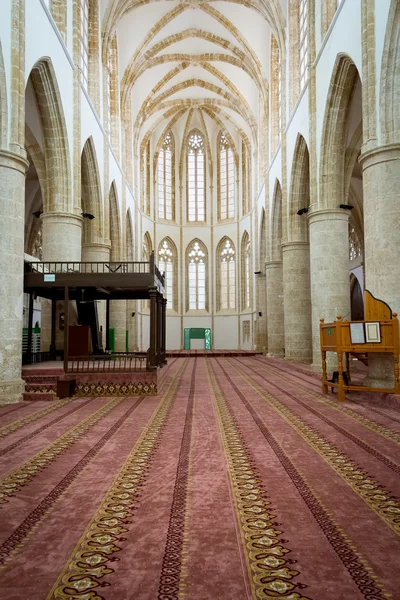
(261, 323)
(275, 317)
(62, 234)
(118, 323)
(297, 301)
(153, 328)
(381, 183)
(329, 273)
(12, 207)
(97, 253)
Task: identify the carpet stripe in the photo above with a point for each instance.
(376, 427)
(268, 568)
(7, 429)
(14, 541)
(375, 495)
(88, 562)
(343, 546)
(23, 474)
(172, 575)
(360, 443)
(36, 432)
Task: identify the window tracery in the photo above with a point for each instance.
(196, 177)
(166, 260)
(227, 275)
(226, 178)
(197, 276)
(166, 178)
(354, 244)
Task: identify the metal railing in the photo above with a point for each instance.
(50, 267)
(117, 362)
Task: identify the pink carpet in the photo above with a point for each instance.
(239, 481)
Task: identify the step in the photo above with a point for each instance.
(35, 396)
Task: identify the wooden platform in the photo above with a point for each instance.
(41, 382)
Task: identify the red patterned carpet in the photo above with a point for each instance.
(240, 481)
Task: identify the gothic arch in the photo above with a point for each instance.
(91, 193)
(202, 247)
(263, 241)
(147, 248)
(390, 78)
(299, 196)
(333, 144)
(115, 228)
(56, 148)
(276, 223)
(3, 104)
(171, 286)
(246, 275)
(229, 280)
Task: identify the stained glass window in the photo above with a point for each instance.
(196, 177)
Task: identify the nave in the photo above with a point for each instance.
(239, 481)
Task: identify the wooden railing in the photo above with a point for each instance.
(117, 362)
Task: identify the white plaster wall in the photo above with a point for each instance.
(174, 334)
(226, 332)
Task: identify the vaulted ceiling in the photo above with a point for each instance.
(184, 58)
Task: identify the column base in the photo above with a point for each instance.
(11, 391)
(380, 371)
(276, 354)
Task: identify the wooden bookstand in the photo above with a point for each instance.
(336, 337)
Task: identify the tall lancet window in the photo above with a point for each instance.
(166, 178)
(166, 264)
(196, 260)
(226, 179)
(303, 42)
(227, 276)
(246, 271)
(196, 194)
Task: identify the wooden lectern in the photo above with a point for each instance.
(378, 334)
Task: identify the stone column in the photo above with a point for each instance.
(381, 183)
(297, 301)
(329, 271)
(118, 323)
(12, 200)
(62, 241)
(261, 339)
(275, 318)
(94, 252)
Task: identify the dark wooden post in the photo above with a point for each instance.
(108, 325)
(159, 329)
(66, 327)
(164, 331)
(30, 319)
(153, 329)
(53, 329)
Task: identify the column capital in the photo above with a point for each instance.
(380, 154)
(273, 264)
(328, 214)
(294, 245)
(97, 246)
(10, 160)
(71, 218)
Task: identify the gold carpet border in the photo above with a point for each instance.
(87, 564)
(32, 467)
(374, 426)
(376, 496)
(269, 575)
(104, 389)
(7, 429)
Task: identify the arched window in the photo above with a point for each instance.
(226, 178)
(166, 178)
(246, 179)
(303, 42)
(145, 177)
(246, 271)
(196, 192)
(167, 263)
(226, 263)
(147, 247)
(354, 244)
(197, 280)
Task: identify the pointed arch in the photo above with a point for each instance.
(276, 223)
(167, 258)
(56, 147)
(3, 103)
(390, 78)
(333, 144)
(246, 271)
(147, 247)
(196, 276)
(226, 261)
(165, 178)
(91, 194)
(115, 225)
(299, 196)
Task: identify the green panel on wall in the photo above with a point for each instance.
(207, 337)
(186, 338)
(197, 333)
